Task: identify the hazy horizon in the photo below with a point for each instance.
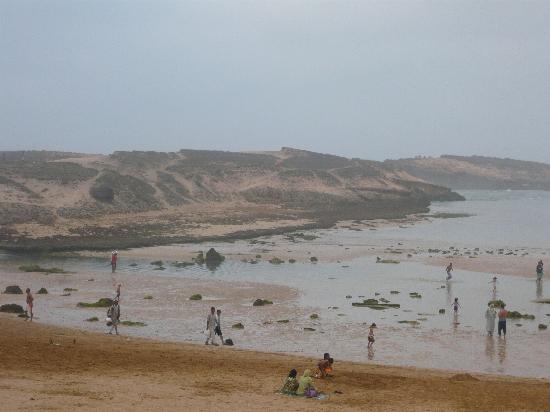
(375, 79)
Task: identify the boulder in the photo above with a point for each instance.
(196, 296)
(213, 257)
(314, 316)
(313, 259)
(276, 261)
(238, 326)
(542, 326)
(42, 291)
(11, 308)
(14, 290)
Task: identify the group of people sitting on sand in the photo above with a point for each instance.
(304, 386)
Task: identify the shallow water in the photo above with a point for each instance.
(439, 341)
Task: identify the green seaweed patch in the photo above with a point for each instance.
(262, 302)
(415, 295)
(313, 259)
(38, 268)
(70, 290)
(238, 326)
(132, 323)
(441, 311)
(291, 260)
(542, 326)
(196, 296)
(309, 329)
(93, 319)
(101, 303)
(314, 316)
(42, 291)
(276, 261)
(497, 303)
(394, 292)
(148, 297)
(516, 315)
(283, 321)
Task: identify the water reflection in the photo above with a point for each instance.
(539, 289)
(449, 287)
(370, 353)
(490, 347)
(501, 348)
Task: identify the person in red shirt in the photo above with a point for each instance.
(114, 257)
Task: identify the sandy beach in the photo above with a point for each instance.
(53, 368)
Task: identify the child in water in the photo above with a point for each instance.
(371, 335)
(455, 306)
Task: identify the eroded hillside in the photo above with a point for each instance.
(69, 200)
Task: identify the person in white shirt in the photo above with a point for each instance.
(211, 327)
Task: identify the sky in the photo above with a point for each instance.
(369, 79)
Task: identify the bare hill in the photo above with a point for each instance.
(476, 172)
(70, 200)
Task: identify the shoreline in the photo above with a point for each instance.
(47, 366)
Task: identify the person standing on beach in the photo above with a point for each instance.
(114, 258)
(502, 315)
(211, 327)
(540, 270)
(114, 314)
(117, 291)
(449, 269)
(490, 317)
(371, 335)
(30, 304)
(218, 329)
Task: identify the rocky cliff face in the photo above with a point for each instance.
(477, 172)
(84, 200)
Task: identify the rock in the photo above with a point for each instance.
(497, 303)
(516, 315)
(441, 311)
(415, 295)
(101, 303)
(213, 257)
(14, 290)
(238, 326)
(229, 342)
(11, 308)
(159, 268)
(70, 290)
(196, 296)
(182, 264)
(309, 329)
(157, 263)
(283, 321)
(314, 316)
(276, 261)
(542, 326)
(42, 291)
(387, 261)
(410, 322)
(262, 302)
(258, 256)
(384, 300)
(313, 259)
(92, 319)
(394, 292)
(291, 260)
(371, 301)
(133, 264)
(148, 297)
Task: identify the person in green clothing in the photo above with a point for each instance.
(305, 385)
(291, 383)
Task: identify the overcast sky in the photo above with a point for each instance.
(370, 79)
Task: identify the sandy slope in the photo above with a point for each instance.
(50, 368)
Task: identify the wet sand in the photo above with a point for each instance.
(53, 368)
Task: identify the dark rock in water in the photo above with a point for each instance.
(262, 302)
(196, 296)
(291, 260)
(200, 258)
(238, 326)
(229, 342)
(157, 263)
(213, 257)
(283, 321)
(371, 301)
(516, 315)
(394, 292)
(14, 290)
(348, 296)
(309, 329)
(101, 303)
(276, 261)
(313, 259)
(314, 316)
(441, 311)
(11, 308)
(42, 291)
(133, 264)
(542, 326)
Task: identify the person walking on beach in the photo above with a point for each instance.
(371, 335)
(502, 315)
(30, 304)
(211, 327)
(117, 291)
(449, 269)
(455, 306)
(540, 270)
(114, 314)
(114, 258)
(490, 317)
(218, 329)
